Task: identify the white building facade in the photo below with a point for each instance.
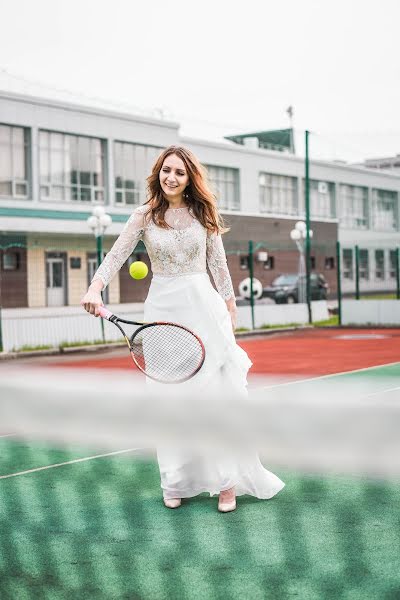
(58, 161)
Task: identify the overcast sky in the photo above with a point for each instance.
(219, 67)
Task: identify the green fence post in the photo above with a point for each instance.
(251, 269)
(99, 246)
(357, 273)
(1, 333)
(339, 281)
(398, 273)
(1, 323)
(308, 239)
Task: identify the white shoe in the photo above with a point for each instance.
(227, 500)
(172, 502)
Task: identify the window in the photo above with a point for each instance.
(11, 261)
(14, 152)
(329, 262)
(244, 262)
(225, 183)
(278, 194)
(132, 166)
(363, 264)
(312, 262)
(393, 263)
(354, 202)
(348, 272)
(322, 199)
(91, 266)
(269, 264)
(71, 168)
(384, 210)
(379, 264)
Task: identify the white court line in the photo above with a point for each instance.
(268, 387)
(383, 391)
(7, 435)
(69, 462)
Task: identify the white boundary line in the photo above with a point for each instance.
(69, 462)
(268, 387)
(7, 435)
(383, 392)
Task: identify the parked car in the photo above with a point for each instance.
(285, 288)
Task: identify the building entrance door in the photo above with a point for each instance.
(55, 278)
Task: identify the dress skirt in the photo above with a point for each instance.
(192, 301)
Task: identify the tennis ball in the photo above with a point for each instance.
(138, 270)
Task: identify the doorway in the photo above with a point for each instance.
(55, 278)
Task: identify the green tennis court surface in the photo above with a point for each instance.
(98, 529)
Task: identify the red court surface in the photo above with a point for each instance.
(302, 352)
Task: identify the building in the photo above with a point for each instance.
(59, 160)
(391, 163)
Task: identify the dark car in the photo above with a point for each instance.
(285, 288)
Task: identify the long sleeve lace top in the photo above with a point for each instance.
(186, 247)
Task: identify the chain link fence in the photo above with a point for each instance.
(43, 280)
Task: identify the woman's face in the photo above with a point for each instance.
(173, 177)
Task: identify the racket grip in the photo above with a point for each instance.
(105, 313)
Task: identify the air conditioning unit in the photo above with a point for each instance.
(262, 180)
(262, 256)
(322, 187)
(251, 142)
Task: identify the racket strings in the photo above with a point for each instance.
(167, 352)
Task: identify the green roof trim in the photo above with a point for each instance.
(275, 139)
(42, 213)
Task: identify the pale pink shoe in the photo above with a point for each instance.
(227, 500)
(172, 502)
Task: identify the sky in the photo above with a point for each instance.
(219, 67)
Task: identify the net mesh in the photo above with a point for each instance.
(81, 512)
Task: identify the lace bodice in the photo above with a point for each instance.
(186, 247)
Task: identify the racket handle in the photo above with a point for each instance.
(105, 313)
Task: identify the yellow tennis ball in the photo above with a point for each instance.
(138, 270)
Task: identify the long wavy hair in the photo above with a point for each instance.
(198, 194)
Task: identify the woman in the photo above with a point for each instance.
(181, 228)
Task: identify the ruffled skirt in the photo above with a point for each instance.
(191, 300)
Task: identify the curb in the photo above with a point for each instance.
(103, 347)
(59, 351)
(256, 332)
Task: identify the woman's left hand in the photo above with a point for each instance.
(232, 309)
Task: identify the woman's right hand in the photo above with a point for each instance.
(92, 300)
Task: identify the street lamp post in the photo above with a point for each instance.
(98, 222)
(299, 235)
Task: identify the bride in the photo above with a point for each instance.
(181, 229)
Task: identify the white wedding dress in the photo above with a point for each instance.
(181, 292)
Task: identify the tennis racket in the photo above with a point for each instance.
(165, 352)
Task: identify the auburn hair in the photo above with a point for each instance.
(198, 194)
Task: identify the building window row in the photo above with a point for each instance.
(225, 183)
(377, 265)
(384, 210)
(73, 168)
(132, 165)
(14, 164)
(354, 206)
(278, 194)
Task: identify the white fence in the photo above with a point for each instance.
(33, 327)
(53, 326)
(371, 312)
(281, 314)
